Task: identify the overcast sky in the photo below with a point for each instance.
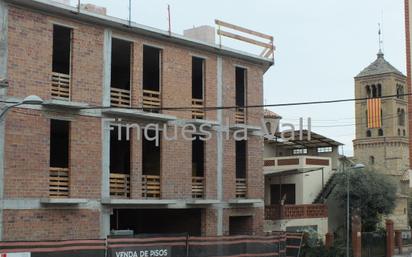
(321, 46)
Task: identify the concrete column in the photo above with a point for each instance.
(3, 39)
(356, 236)
(107, 66)
(390, 245)
(3, 75)
(105, 183)
(219, 145)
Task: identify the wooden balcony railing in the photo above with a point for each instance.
(120, 185)
(241, 188)
(119, 97)
(60, 87)
(240, 116)
(150, 186)
(151, 99)
(58, 182)
(198, 187)
(304, 211)
(198, 109)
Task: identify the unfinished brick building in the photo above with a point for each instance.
(63, 172)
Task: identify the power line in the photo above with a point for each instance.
(386, 117)
(212, 108)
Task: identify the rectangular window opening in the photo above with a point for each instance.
(240, 87)
(327, 149)
(62, 37)
(198, 158)
(241, 159)
(151, 155)
(59, 143)
(119, 151)
(121, 64)
(283, 194)
(197, 78)
(151, 68)
(299, 151)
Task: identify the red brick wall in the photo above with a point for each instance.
(176, 169)
(136, 166)
(85, 158)
(210, 168)
(229, 168)
(27, 132)
(255, 178)
(30, 56)
(27, 155)
(87, 66)
(30, 53)
(26, 169)
(257, 215)
(176, 84)
(50, 224)
(209, 217)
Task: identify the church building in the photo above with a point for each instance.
(382, 129)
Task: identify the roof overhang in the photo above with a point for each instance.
(304, 138)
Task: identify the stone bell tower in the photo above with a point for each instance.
(382, 128)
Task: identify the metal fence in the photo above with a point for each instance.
(373, 244)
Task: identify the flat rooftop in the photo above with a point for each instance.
(59, 9)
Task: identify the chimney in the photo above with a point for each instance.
(202, 33)
(94, 8)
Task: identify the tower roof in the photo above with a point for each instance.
(379, 66)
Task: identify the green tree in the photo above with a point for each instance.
(372, 195)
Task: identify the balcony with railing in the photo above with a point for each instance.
(151, 186)
(279, 164)
(198, 109)
(151, 100)
(119, 185)
(303, 211)
(198, 187)
(58, 182)
(60, 86)
(119, 97)
(240, 117)
(241, 188)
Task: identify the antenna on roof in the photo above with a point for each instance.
(380, 37)
(169, 19)
(380, 25)
(130, 13)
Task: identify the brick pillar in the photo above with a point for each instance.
(356, 236)
(398, 240)
(329, 240)
(389, 238)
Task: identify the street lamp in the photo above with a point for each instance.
(31, 99)
(355, 166)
